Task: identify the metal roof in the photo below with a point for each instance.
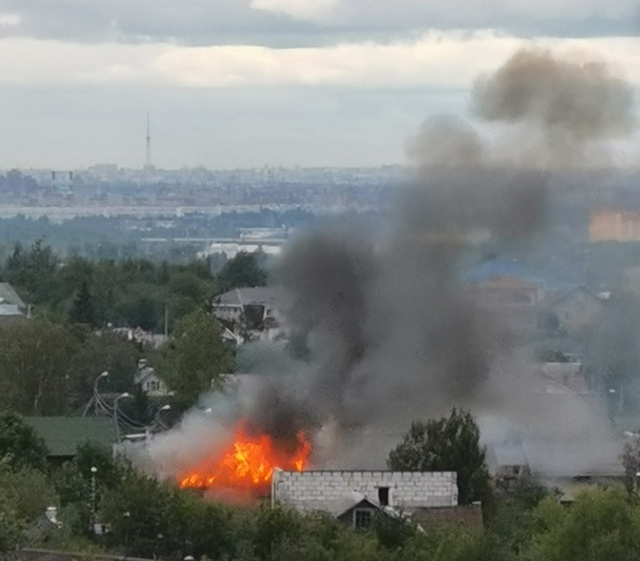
(63, 435)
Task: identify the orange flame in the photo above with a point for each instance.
(248, 463)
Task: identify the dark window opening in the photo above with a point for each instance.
(383, 496)
(362, 518)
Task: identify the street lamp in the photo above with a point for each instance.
(94, 470)
(95, 384)
(94, 398)
(115, 412)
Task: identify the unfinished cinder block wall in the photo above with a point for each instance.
(309, 489)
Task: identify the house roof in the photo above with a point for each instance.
(63, 435)
(9, 296)
(560, 297)
(268, 296)
(143, 374)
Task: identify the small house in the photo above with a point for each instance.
(575, 309)
(149, 381)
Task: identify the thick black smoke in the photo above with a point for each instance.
(565, 108)
(394, 332)
(397, 333)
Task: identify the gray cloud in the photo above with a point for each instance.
(233, 21)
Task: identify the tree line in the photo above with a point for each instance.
(125, 293)
(48, 364)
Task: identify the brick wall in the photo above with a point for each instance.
(406, 489)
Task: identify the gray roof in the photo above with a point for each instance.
(9, 296)
(269, 296)
(144, 373)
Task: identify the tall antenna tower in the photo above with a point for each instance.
(148, 154)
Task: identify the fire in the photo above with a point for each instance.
(249, 462)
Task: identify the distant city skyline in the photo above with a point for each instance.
(248, 83)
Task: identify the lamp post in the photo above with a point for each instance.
(95, 384)
(115, 412)
(94, 398)
(94, 470)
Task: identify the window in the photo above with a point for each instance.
(383, 496)
(362, 518)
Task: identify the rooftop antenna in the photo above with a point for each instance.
(148, 154)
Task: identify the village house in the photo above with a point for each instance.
(149, 381)
(575, 309)
(12, 307)
(355, 497)
(251, 313)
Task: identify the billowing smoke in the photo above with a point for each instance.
(564, 108)
(394, 332)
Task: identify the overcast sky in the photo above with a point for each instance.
(242, 83)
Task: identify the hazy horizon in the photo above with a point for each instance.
(250, 83)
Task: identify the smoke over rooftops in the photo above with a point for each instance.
(395, 335)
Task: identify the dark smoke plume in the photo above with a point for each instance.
(394, 331)
(399, 334)
(568, 105)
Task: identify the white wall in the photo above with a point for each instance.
(309, 489)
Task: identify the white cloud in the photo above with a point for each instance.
(311, 10)
(436, 59)
(10, 20)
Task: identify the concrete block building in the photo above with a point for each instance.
(355, 496)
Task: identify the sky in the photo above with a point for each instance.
(249, 83)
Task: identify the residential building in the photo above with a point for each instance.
(9, 296)
(575, 309)
(149, 380)
(354, 497)
(252, 313)
(611, 224)
(12, 308)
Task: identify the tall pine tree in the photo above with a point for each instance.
(83, 308)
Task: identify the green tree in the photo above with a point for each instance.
(9, 528)
(34, 367)
(33, 273)
(511, 518)
(90, 455)
(83, 309)
(20, 446)
(600, 526)
(631, 464)
(447, 444)
(29, 492)
(243, 270)
(195, 360)
(138, 512)
(100, 352)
